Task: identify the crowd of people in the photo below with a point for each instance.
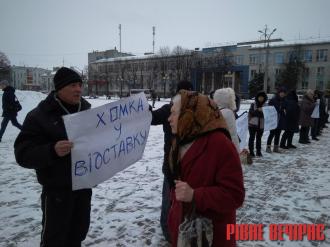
(202, 169)
(310, 114)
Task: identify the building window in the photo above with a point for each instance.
(322, 55)
(305, 73)
(308, 56)
(320, 71)
(253, 59)
(319, 85)
(262, 58)
(304, 85)
(239, 59)
(279, 58)
(293, 56)
(278, 72)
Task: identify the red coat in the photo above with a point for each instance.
(212, 168)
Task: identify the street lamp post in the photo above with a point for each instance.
(266, 45)
(165, 78)
(121, 86)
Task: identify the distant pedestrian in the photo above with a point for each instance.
(160, 117)
(256, 122)
(225, 99)
(43, 145)
(292, 120)
(279, 102)
(316, 116)
(323, 113)
(153, 97)
(305, 120)
(238, 105)
(10, 107)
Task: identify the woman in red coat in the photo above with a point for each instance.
(206, 164)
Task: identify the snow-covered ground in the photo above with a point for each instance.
(291, 187)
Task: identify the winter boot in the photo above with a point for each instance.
(283, 147)
(276, 150)
(252, 153)
(268, 149)
(291, 146)
(259, 154)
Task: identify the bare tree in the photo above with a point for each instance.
(181, 64)
(294, 69)
(4, 60)
(164, 51)
(4, 67)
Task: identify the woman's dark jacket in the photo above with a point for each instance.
(292, 112)
(8, 102)
(280, 105)
(34, 146)
(256, 117)
(160, 117)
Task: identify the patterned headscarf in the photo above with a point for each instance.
(199, 116)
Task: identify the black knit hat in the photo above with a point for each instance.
(64, 76)
(186, 85)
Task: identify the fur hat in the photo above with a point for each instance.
(64, 76)
(225, 98)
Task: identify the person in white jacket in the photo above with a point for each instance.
(225, 99)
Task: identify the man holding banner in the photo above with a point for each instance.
(43, 145)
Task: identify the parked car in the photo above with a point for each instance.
(93, 96)
(147, 92)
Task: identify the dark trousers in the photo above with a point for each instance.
(286, 139)
(315, 128)
(274, 133)
(166, 204)
(303, 134)
(255, 133)
(65, 218)
(5, 122)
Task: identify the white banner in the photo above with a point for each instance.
(242, 129)
(107, 139)
(270, 117)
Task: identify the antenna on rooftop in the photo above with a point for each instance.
(119, 37)
(153, 40)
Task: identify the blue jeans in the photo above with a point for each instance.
(5, 122)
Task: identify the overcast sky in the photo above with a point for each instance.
(43, 32)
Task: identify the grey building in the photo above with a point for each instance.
(98, 55)
(28, 78)
(212, 68)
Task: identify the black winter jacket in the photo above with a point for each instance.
(292, 112)
(8, 102)
(280, 105)
(160, 116)
(34, 146)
